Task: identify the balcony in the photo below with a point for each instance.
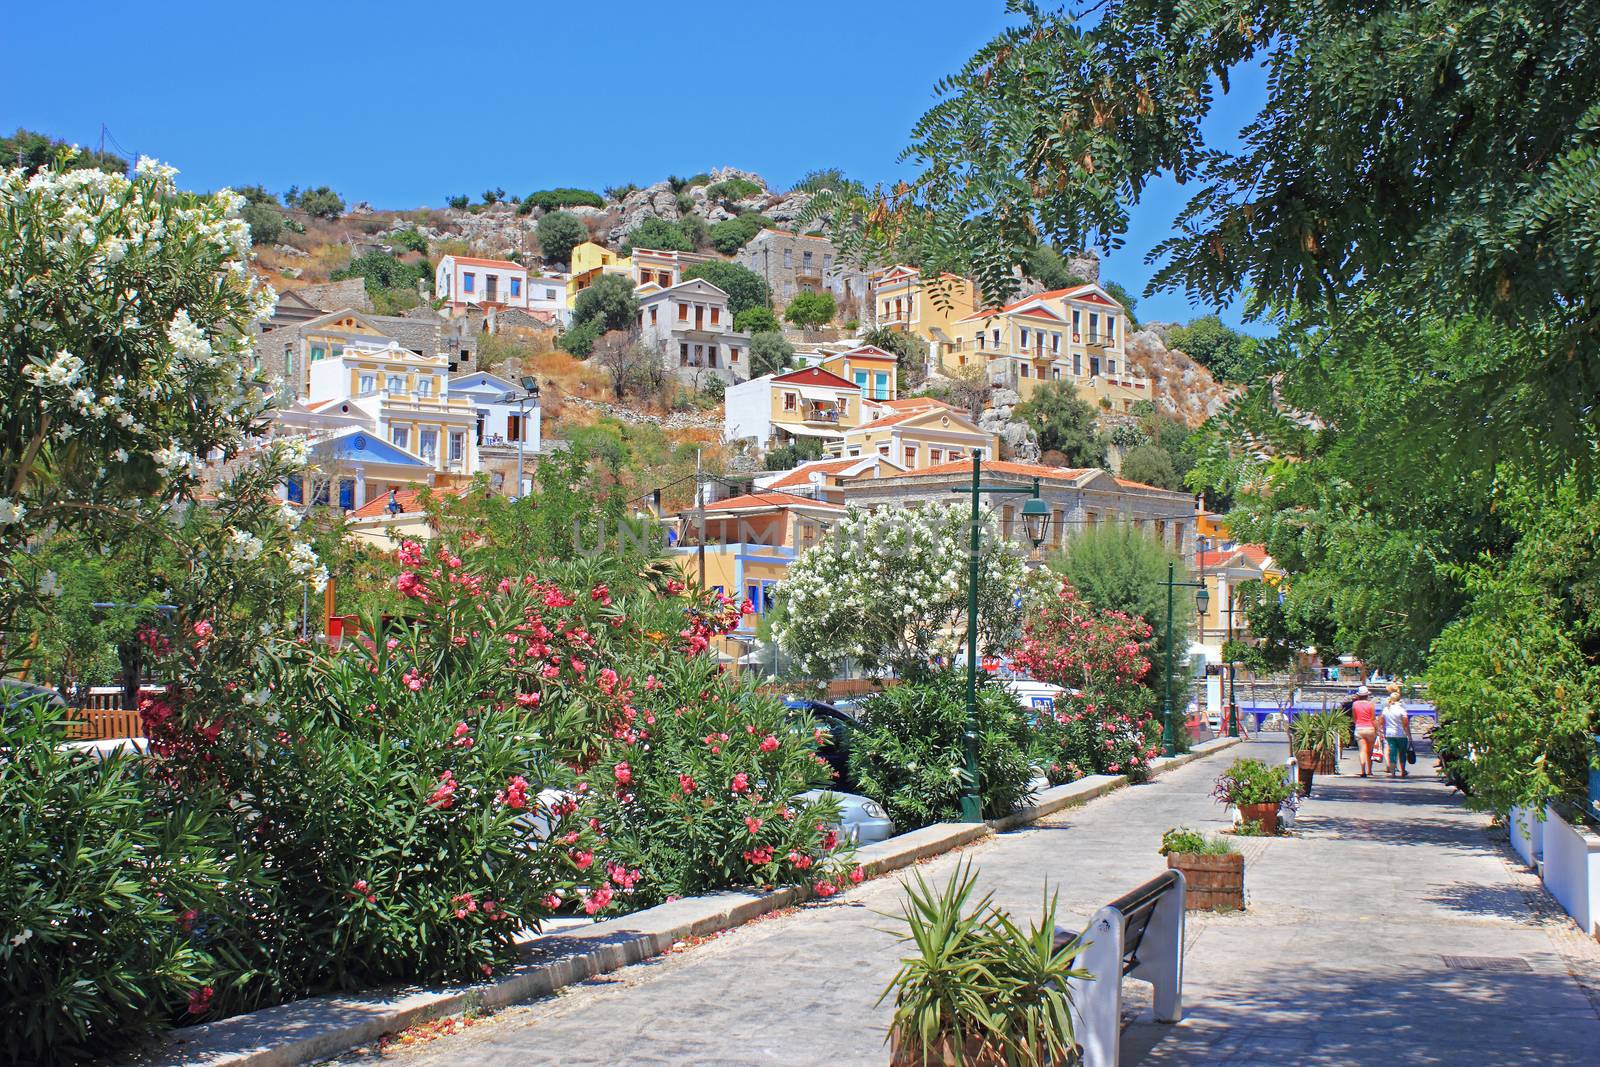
(819, 415)
(1096, 340)
(808, 270)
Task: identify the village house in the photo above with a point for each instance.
(690, 325)
(904, 303)
(792, 263)
(662, 269)
(918, 435)
(465, 281)
(508, 428)
(780, 409)
(824, 479)
(289, 352)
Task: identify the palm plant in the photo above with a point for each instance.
(979, 989)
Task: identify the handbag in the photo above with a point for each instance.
(1411, 752)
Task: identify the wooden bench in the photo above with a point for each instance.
(104, 718)
(1139, 935)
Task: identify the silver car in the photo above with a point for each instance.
(861, 820)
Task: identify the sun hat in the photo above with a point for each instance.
(1363, 691)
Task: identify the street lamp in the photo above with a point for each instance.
(1036, 522)
(530, 387)
(1202, 599)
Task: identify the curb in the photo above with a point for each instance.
(318, 1027)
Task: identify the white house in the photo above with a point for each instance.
(466, 281)
(690, 325)
(500, 419)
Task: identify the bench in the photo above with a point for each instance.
(1139, 935)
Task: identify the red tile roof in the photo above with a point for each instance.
(379, 505)
(768, 499)
(1000, 466)
(474, 262)
(802, 475)
(916, 403)
(815, 376)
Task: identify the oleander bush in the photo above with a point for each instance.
(909, 754)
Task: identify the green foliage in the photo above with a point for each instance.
(811, 309)
(1182, 841)
(715, 388)
(555, 199)
(787, 457)
(695, 229)
(493, 196)
(100, 884)
(265, 222)
(579, 339)
(1064, 424)
(1126, 299)
(35, 151)
(909, 756)
(910, 352)
(460, 202)
(1118, 568)
(973, 978)
(732, 189)
(830, 179)
(618, 193)
(659, 234)
(746, 289)
(756, 320)
(770, 353)
(1151, 465)
(730, 235)
(321, 202)
(1319, 733)
(608, 303)
(1249, 781)
(559, 233)
(409, 241)
(1049, 268)
(391, 281)
(1228, 354)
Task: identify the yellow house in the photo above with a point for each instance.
(927, 435)
(748, 543)
(871, 369)
(904, 303)
(589, 262)
(779, 409)
(1076, 335)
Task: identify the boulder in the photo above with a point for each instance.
(1017, 440)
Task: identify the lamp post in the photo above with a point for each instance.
(530, 387)
(1233, 688)
(1036, 521)
(1202, 598)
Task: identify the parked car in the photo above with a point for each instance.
(861, 820)
(841, 728)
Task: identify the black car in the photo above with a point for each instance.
(841, 730)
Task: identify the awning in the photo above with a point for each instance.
(815, 392)
(807, 431)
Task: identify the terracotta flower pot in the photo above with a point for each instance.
(1264, 815)
(1211, 883)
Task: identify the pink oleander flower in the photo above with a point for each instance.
(527, 700)
(857, 875)
(444, 795)
(825, 889)
(740, 783)
(200, 1000)
(752, 824)
(515, 794)
(598, 899)
(582, 859)
(623, 773)
(686, 784)
(203, 630)
(769, 744)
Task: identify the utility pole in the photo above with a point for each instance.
(700, 516)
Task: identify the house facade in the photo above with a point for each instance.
(1075, 335)
(690, 325)
(793, 263)
(902, 301)
(929, 435)
(465, 281)
(780, 409)
(295, 350)
(1079, 499)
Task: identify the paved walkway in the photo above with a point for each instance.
(1337, 961)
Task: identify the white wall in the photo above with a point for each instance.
(747, 411)
(456, 291)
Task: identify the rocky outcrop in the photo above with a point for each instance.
(1017, 440)
(1179, 385)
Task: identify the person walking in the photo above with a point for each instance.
(1397, 732)
(1365, 714)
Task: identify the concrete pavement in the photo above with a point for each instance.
(1339, 958)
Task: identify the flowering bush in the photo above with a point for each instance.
(1249, 781)
(910, 756)
(1102, 722)
(100, 893)
(834, 604)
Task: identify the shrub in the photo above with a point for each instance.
(459, 203)
(716, 389)
(99, 892)
(730, 235)
(811, 309)
(1151, 465)
(493, 196)
(265, 222)
(1064, 423)
(321, 202)
(409, 241)
(559, 233)
(384, 273)
(579, 340)
(909, 754)
(732, 189)
(609, 303)
(1182, 841)
(659, 234)
(553, 199)
(747, 290)
(710, 800)
(756, 320)
(785, 457)
(618, 193)
(770, 353)
(1249, 781)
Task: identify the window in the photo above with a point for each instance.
(844, 406)
(827, 261)
(982, 340)
(683, 354)
(1111, 366)
(1024, 337)
(337, 351)
(954, 455)
(516, 286)
(1077, 364)
(1055, 374)
(549, 294)
(1076, 322)
(882, 378)
(1111, 327)
(805, 260)
(401, 436)
(1055, 343)
(458, 445)
(883, 450)
(683, 312)
(716, 315)
(428, 444)
(369, 384)
(514, 427)
(1094, 366)
(396, 383)
(347, 493)
(789, 401)
(861, 381)
(935, 457)
(1094, 326)
(733, 354)
(996, 338)
(788, 258)
(711, 355)
(424, 386)
(910, 455)
(317, 352)
(1022, 369)
(752, 593)
(468, 282)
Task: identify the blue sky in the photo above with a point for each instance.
(403, 104)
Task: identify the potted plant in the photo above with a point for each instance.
(977, 990)
(1213, 870)
(1256, 790)
(1314, 739)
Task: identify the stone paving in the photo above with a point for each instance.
(1338, 959)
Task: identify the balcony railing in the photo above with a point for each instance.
(1096, 340)
(829, 416)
